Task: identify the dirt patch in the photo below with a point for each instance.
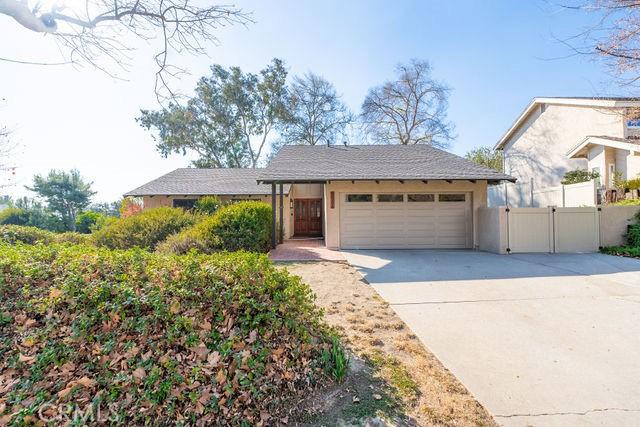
(393, 376)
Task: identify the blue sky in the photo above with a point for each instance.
(495, 55)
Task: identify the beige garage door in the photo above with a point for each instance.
(405, 220)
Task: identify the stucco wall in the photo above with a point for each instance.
(613, 223)
(609, 158)
(307, 191)
(332, 215)
(538, 149)
(596, 160)
(492, 223)
(628, 164)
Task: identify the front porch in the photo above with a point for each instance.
(305, 250)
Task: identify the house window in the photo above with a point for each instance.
(612, 174)
(359, 198)
(391, 197)
(421, 197)
(633, 123)
(451, 197)
(184, 203)
(596, 172)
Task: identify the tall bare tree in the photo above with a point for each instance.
(412, 109)
(95, 32)
(615, 36)
(316, 115)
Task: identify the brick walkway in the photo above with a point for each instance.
(304, 250)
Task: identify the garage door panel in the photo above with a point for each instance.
(359, 212)
(357, 229)
(405, 225)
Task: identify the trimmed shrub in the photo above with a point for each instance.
(24, 234)
(86, 222)
(13, 216)
(224, 339)
(579, 175)
(633, 184)
(240, 226)
(633, 236)
(207, 205)
(145, 229)
(627, 202)
(13, 234)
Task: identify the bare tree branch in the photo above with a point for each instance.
(94, 34)
(315, 113)
(614, 38)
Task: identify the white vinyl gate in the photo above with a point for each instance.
(553, 230)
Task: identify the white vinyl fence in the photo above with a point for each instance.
(553, 230)
(527, 195)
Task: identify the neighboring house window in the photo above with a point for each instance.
(391, 197)
(633, 123)
(421, 197)
(359, 197)
(596, 170)
(612, 174)
(184, 203)
(451, 198)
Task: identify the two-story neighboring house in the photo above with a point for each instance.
(556, 135)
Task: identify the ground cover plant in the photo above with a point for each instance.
(136, 337)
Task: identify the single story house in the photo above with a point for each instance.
(357, 196)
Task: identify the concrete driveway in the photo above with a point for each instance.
(538, 339)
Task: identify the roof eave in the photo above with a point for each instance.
(238, 193)
(325, 180)
(594, 140)
(610, 103)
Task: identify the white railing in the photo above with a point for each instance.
(527, 195)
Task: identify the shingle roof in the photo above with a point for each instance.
(192, 181)
(372, 162)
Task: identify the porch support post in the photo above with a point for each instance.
(273, 215)
(281, 233)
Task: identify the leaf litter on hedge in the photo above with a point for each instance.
(146, 337)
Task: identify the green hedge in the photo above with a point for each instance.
(222, 339)
(633, 236)
(240, 226)
(144, 230)
(13, 216)
(33, 235)
(24, 234)
(207, 205)
(628, 251)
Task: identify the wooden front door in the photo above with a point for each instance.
(307, 217)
